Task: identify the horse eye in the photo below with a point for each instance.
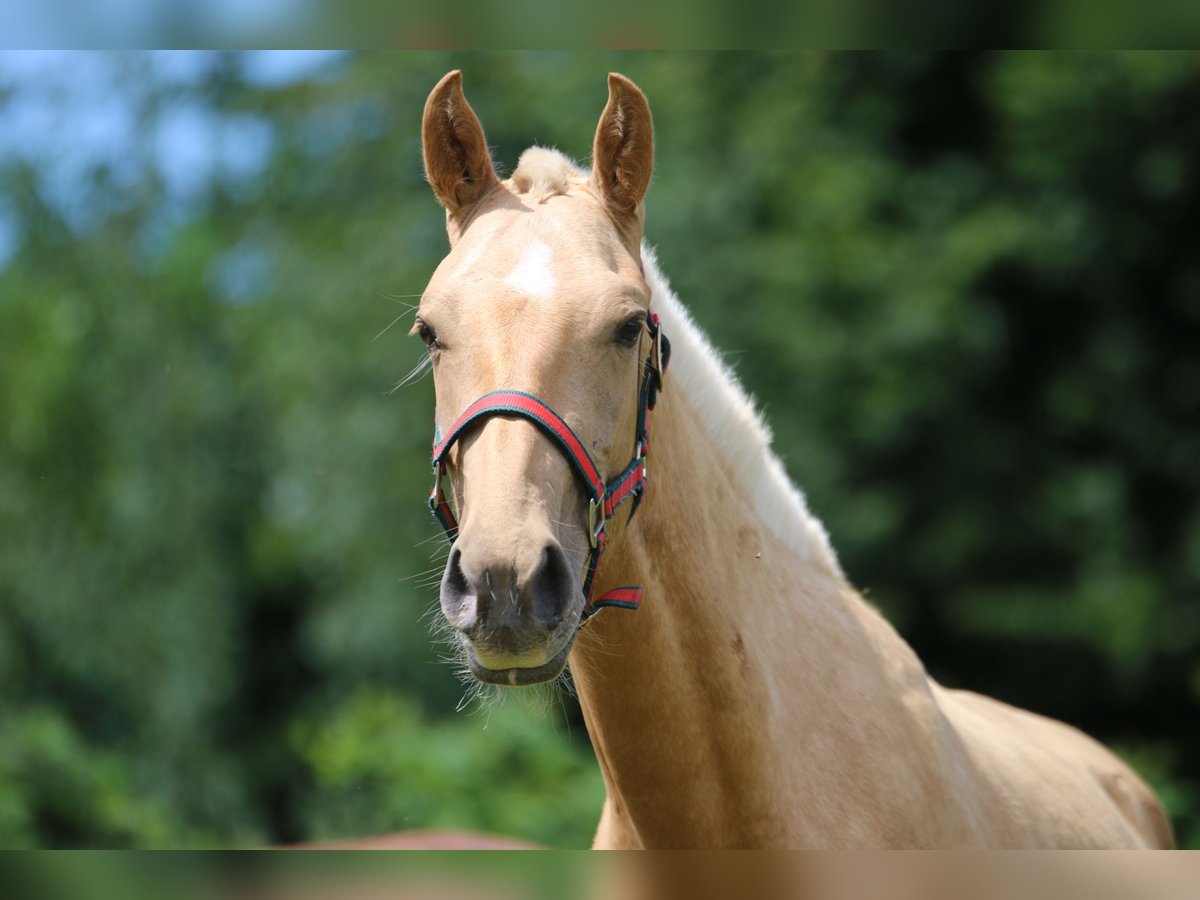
(427, 334)
(629, 332)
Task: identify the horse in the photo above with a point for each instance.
(754, 699)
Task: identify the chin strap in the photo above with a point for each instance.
(604, 498)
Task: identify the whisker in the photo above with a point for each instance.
(390, 324)
(432, 619)
(593, 641)
(415, 374)
(425, 574)
(408, 307)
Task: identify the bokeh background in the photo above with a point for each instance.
(965, 287)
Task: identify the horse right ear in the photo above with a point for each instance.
(457, 162)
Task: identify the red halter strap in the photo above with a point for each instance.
(604, 498)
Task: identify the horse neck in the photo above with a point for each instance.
(697, 703)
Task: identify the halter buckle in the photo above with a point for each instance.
(595, 519)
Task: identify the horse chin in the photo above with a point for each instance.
(518, 676)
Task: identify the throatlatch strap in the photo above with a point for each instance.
(604, 499)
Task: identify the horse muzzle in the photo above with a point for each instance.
(516, 629)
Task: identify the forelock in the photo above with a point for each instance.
(543, 173)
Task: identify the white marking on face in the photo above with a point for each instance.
(533, 275)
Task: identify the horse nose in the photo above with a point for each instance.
(488, 596)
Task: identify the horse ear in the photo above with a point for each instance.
(457, 162)
(623, 153)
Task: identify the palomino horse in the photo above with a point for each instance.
(755, 699)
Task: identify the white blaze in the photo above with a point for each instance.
(533, 275)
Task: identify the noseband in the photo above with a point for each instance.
(603, 497)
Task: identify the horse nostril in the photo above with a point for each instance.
(552, 587)
(459, 603)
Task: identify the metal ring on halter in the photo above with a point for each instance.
(595, 519)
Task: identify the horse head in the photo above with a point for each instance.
(542, 296)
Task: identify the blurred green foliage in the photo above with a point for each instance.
(965, 287)
(512, 780)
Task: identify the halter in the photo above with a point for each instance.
(604, 498)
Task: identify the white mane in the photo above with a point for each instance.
(735, 426)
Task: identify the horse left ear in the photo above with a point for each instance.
(623, 152)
